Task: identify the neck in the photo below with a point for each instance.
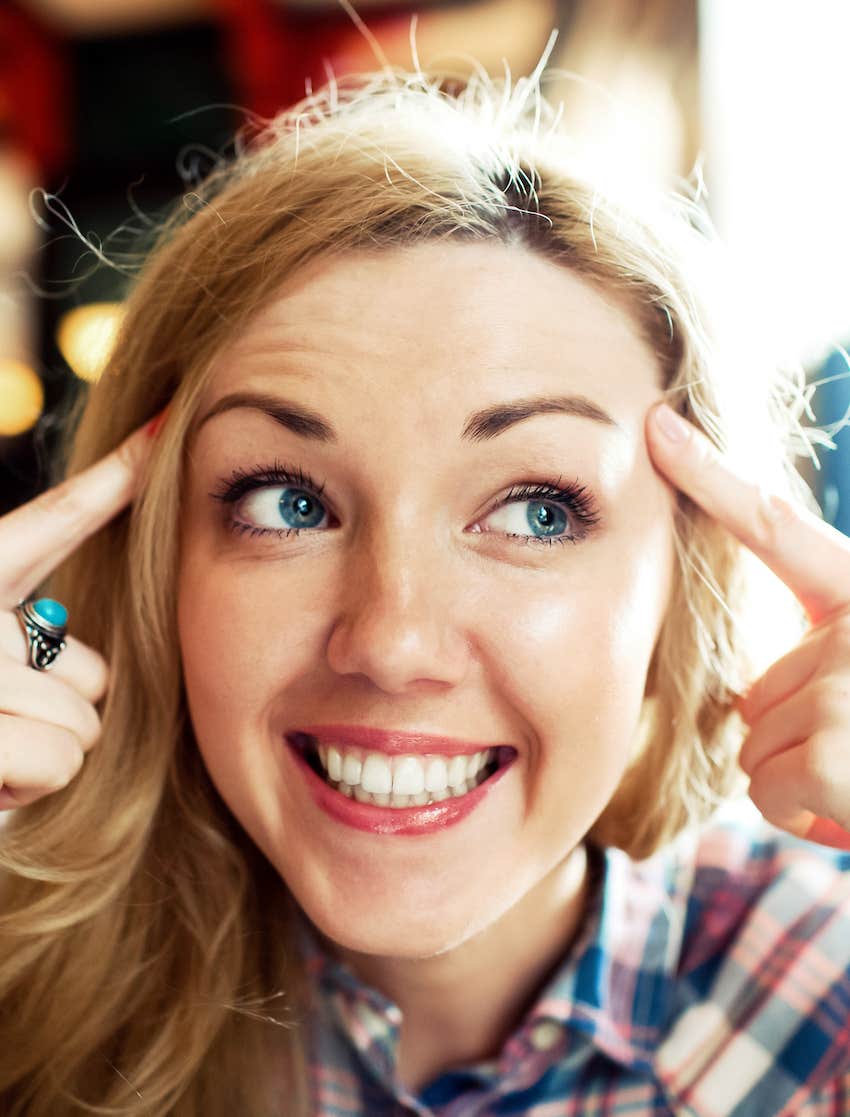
(461, 1006)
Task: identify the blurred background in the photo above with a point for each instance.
(109, 107)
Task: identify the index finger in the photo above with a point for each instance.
(38, 536)
(807, 554)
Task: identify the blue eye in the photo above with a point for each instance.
(545, 514)
(276, 508)
(542, 518)
(550, 518)
(303, 509)
(282, 501)
(273, 500)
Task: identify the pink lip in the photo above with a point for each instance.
(397, 820)
(394, 742)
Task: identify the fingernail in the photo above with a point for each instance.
(152, 429)
(828, 833)
(671, 425)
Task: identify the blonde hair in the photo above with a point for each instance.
(146, 942)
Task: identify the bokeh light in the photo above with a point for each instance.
(86, 336)
(21, 397)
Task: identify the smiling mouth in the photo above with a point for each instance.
(398, 782)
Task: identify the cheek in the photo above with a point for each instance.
(598, 627)
(244, 643)
(221, 643)
(218, 645)
(573, 653)
(241, 650)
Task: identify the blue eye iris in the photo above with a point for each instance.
(304, 509)
(547, 516)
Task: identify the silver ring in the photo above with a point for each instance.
(45, 624)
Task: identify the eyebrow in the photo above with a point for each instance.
(480, 426)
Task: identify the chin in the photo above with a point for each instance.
(393, 932)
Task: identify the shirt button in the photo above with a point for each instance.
(546, 1035)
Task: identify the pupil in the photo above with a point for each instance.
(547, 516)
(299, 505)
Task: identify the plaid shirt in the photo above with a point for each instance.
(711, 980)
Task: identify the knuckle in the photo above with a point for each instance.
(91, 729)
(828, 699)
(703, 451)
(74, 714)
(69, 760)
(701, 468)
(37, 758)
(837, 638)
(102, 676)
(772, 517)
(761, 791)
(61, 702)
(768, 811)
(819, 760)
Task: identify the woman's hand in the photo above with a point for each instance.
(48, 719)
(797, 753)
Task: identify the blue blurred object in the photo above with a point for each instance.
(831, 403)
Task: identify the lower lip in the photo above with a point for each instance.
(394, 820)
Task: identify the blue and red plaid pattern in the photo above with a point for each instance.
(711, 980)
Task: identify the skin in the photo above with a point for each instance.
(412, 609)
(796, 713)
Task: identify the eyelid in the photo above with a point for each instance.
(242, 481)
(577, 498)
(582, 507)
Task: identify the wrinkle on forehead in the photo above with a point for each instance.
(455, 312)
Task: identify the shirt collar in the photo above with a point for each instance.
(617, 983)
(614, 986)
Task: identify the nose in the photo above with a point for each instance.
(398, 621)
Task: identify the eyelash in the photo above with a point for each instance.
(576, 498)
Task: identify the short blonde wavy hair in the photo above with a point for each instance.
(145, 939)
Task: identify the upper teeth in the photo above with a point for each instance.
(380, 774)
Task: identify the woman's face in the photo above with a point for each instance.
(482, 555)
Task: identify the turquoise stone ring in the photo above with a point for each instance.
(50, 612)
(45, 624)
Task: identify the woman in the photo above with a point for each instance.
(380, 758)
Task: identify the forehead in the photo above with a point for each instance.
(445, 320)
